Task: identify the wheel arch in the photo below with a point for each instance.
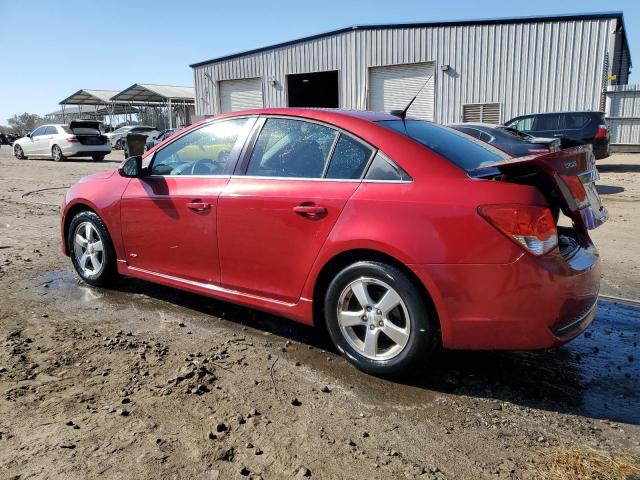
(348, 257)
(71, 212)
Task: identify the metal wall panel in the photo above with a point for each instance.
(623, 115)
(526, 67)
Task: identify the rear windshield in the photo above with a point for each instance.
(81, 130)
(463, 150)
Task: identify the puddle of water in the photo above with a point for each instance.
(596, 375)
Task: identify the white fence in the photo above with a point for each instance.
(623, 117)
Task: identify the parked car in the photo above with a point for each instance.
(119, 136)
(572, 128)
(152, 141)
(80, 138)
(397, 234)
(515, 143)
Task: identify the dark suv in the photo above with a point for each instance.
(572, 128)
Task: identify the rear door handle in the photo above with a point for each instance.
(310, 211)
(198, 206)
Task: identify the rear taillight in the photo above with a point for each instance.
(575, 186)
(602, 132)
(72, 139)
(530, 226)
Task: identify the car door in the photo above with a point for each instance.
(33, 145)
(547, 125)
(169, 217)
(275, 215)
(46, 139)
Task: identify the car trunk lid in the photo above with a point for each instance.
(566, 178)
(87, 132)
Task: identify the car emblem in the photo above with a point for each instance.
(571, 164)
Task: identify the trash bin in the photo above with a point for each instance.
(135, 144)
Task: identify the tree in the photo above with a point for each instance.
(25, 122)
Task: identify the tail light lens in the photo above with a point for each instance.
(530, 226)
(575, 186)
(602, 132)
(72, 139)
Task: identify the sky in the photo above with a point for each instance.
(51, 49)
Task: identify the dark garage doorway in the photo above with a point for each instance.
(319, 89)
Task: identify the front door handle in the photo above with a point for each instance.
(198, 206)
(310, 210)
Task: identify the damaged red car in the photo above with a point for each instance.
(397, 235)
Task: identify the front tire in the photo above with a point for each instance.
(56, 154)
(91, 249)
(379, 320)
(18, 152)
(98, 158)
(119, 145)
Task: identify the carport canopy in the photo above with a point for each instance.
(147, 93)
(90, 97)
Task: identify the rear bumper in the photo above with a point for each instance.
(79, 150)
(532, 303)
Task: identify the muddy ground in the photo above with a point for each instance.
(149, 382)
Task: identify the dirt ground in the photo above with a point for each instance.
(149, 382)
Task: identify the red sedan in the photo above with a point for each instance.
(397, 235)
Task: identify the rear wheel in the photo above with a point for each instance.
(379, 320)
(98, 158)
(91, 249)
(56, 154)
(18, 153)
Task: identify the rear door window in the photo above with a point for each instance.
(349, 159)
(291, 148)
(458, 148)
(546, 123)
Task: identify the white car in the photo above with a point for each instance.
(118, 136)
(81, 138)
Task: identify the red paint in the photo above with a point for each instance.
(263, 242)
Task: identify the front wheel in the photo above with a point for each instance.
(119, 144)
(98, 158)
(379, 320)
(18, 153)
(56, 154)
(91, 249)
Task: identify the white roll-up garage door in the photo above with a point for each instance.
(392, 87)
(242, 94)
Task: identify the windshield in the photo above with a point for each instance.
(460, 149)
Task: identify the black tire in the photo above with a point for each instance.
(108, 274)
(98, 158)
(19, 153)
(56, 154)
(119, 145)
(423, 334)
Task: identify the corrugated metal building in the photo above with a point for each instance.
(486, 70)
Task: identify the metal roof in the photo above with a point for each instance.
(447, 23)
(89, 97)
(117, 109)
(151, 93)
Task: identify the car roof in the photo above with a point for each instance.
(478, 124)
(559, 113)
(315, 112)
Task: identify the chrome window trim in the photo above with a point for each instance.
(303, 179)
(187, 176)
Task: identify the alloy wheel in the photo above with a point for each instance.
(18, 152)
(88, 249)
(57, 153)
(373, 318)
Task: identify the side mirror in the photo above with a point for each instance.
(132, 168)
(28, 135)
